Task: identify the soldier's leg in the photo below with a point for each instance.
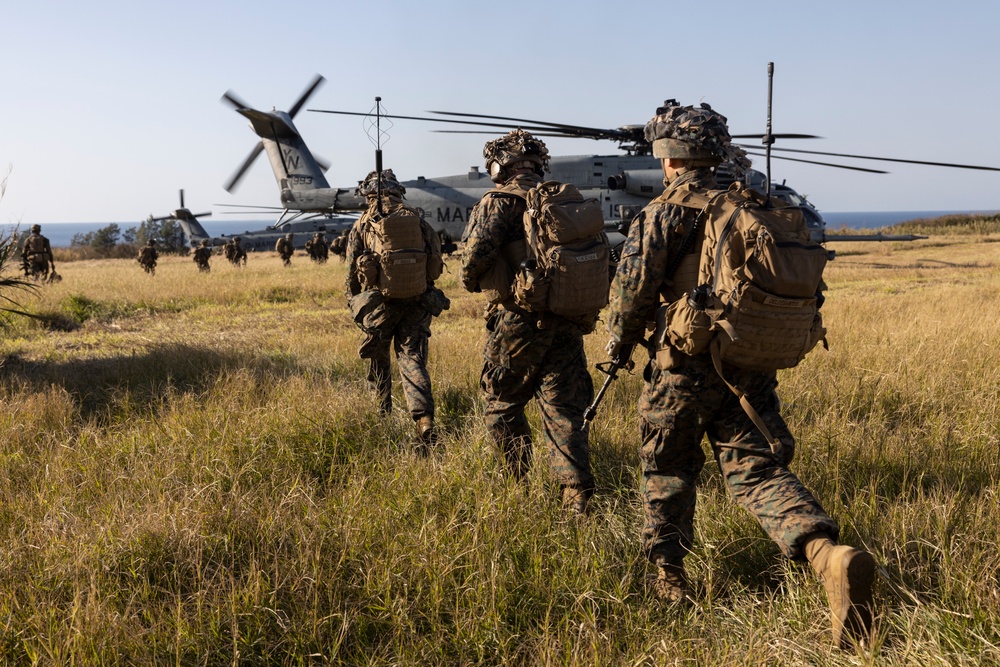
(756, 478)
(672, 409)
(410, 344)
(510, 361)
(565, 389)
(376, 350)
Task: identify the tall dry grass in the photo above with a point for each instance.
(192, 472)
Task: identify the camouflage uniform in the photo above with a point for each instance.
(338, 246)
(403, 325)
(680, 405)
(522, 360)
(317, 248)
(202, 255)
(235, 253)
(148, 257)
(285, 249)
(36, 255)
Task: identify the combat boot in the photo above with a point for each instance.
(426, 434)
(848, 575)
(671, 584)
(576, 500)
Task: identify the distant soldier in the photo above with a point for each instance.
(285, 249)
(36, 255)
(338, 246)
(393, 259)
(147, 257)
(317, 248)
(234, 251)
(201, 256)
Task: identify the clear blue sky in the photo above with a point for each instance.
(109, 108)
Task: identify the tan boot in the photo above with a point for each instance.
(848, 575)
(575, 499)
(426, 433)
(671, 584)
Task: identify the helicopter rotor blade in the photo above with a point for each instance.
(822, 164)
(890, 159)
(306, 94)
(505, 126)
(238, 174)
(484, 132)
(201, 215)
(574, 129)
(231, 97)
(775, 135)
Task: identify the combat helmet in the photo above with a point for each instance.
(390, 186)
(204, 243)
(697, 134)
(36, 229)
(515, 150)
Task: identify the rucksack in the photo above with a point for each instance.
(568, 255)
(408, 260)
(760, 289)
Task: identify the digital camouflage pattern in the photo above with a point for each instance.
(700, 129)
(680, 406)
(522, 360)
(390, 186)
(403, 326)
(515, 149)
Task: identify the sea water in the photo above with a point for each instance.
(60, 234)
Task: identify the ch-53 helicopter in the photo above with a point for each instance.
(623, 183)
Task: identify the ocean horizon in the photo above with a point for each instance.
(60, 234)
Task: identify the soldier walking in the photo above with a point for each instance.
(235, 252)
(317, 249)
(202, 255)
(36, 256)
(393, 259)
(526, 357)
(148, 256)
(285, 249)
(684, 398)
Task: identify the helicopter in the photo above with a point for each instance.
(309, 204)
(624, 183)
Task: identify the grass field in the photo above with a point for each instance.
(192, 472)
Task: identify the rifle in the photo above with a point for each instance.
(611, 369)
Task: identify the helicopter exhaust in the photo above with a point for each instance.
(640, 182)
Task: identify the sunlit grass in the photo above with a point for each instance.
(192, 472)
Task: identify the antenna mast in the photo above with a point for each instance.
(378, 150)
(768, 137)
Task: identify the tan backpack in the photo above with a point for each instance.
(568, 255)
(409, 260)
(760, 288)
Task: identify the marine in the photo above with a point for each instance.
(235, 252)
(392, 304)
(526, 356)
(684, 398)
(148, 257)
(285, 249)
(202, 255)
(36, 256)
(317, 249)
(338, 246)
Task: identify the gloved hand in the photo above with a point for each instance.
(613, 348)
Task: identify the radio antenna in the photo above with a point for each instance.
(768, 137)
